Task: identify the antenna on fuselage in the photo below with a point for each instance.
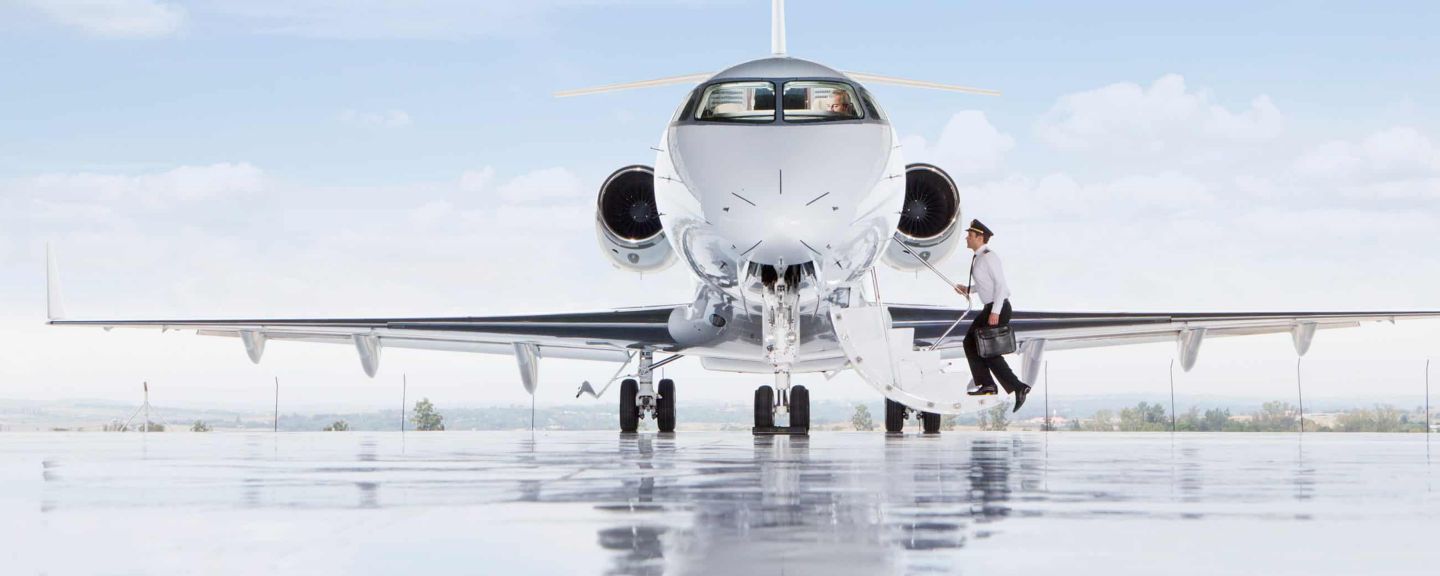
(777, 27)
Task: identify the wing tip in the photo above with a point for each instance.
(54, 304)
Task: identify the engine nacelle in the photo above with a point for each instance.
(929, 218)
(627, 223)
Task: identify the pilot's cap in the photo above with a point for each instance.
(977, 227)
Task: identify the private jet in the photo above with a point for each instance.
(780, 185)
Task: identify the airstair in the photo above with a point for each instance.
(886, 358)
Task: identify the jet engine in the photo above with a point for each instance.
(928, 220)
(627, 222)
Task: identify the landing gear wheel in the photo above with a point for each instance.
(629, 412)
(665, 406)
(931, 422)
(764, 407)
(800, 408)
(894, 416)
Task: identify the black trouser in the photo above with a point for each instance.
(980, 368)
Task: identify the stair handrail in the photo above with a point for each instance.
(948, 282)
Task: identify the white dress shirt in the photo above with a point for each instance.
(989, 278)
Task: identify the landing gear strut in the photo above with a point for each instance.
(640, 397)
(896, 414)
(781, 325)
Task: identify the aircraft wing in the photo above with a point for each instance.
(610, 335)
(607, 335)
(1074, 330)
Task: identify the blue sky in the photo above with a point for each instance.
(378, 156)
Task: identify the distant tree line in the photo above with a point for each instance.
(1272, 417)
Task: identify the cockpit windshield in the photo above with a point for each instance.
(819, 101)
(738, 102)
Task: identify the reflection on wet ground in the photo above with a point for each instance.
(717, 503)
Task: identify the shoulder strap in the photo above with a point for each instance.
(970, 282)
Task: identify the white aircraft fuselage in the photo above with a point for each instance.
(779, 193)
(735, 196)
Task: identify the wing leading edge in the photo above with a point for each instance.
(606, 335)
(1038, 332)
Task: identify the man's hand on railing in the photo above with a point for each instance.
(962, 290)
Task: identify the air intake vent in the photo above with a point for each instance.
(932, 203)
(627, 204)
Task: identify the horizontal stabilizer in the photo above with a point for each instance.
(696, 78)
(878, 79)
(686, 79)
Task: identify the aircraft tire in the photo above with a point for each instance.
(931, 422)
(800, 408)
(629, 412)
(665, 406)
(764, 407)
(894, 416)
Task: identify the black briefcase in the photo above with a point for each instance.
(995, 341)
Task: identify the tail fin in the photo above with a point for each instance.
(777, 48)
(54, 306)
(777, 27)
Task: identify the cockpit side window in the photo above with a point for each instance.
(870, 106)
(684, 105)
(820, 101)
(745, 102)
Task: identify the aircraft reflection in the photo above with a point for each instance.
(724, 503)
(788, 508)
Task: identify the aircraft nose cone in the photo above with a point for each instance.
(783, 194)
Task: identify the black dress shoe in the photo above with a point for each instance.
(983, 391)
(1020, 397)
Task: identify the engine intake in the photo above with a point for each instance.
(928, 218)
(627, 221)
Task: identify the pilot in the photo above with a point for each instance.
(989, 283)
(840, 103)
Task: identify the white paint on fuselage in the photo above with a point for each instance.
(779, 193)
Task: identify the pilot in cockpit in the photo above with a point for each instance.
(840, 103)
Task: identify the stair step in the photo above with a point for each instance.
(886, 358)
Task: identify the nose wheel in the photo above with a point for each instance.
(796, 403)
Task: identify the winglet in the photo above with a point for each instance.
(54, 306)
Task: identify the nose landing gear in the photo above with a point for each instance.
(781, 325)
(795, 403)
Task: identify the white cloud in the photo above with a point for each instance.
(968, 144)
(1401, 152)
(385, 119)
(183, 184)
(114, 18)
(548, 184)
(1164, 118)
(473, 181)
(1164, 195)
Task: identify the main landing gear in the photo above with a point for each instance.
(896, 414)
(639, 398)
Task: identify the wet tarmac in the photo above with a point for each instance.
(717, 503)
